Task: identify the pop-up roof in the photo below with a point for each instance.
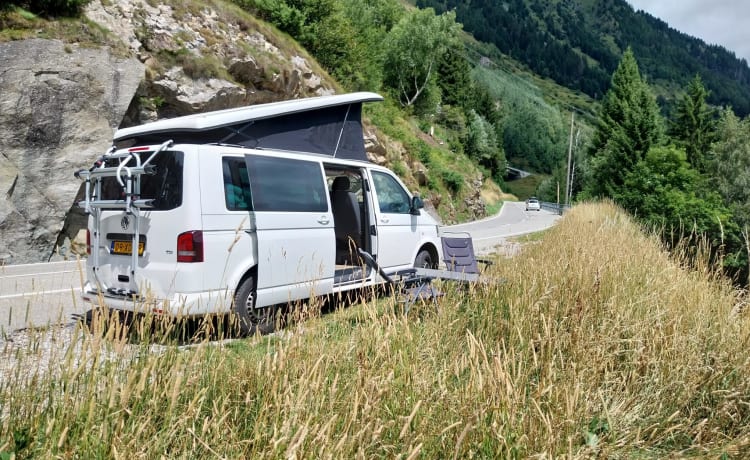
(330, 125)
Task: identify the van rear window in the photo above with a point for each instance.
(164, 187)
(286, 185)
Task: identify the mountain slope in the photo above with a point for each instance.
(578, 43)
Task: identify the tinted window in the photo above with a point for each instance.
(164, 186)
(281, 184)
(236, 184)
(392, 197)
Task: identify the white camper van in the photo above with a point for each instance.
(247, 208)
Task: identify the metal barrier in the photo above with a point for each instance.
(554, 207)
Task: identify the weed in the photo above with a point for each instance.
(598, 345)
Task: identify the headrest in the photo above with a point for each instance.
(340, 183)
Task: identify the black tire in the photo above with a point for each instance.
(424, 260)
(249, 318)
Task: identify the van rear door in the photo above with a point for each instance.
(294, 226)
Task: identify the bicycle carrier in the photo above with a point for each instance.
(128, 168)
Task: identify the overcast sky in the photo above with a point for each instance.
(717, 22)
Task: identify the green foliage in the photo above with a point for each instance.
(665, 192)
(629, 125)
(526, 187)
(730, 166)
(453, 180)
(194, 65)
(399, 168)
(579, 43)
(482, 144)
(413, 50)
(455, 79)
(370, 21)
(454, 121)
(553, 187)
(54, 8)
(693, 124)
(531, 131)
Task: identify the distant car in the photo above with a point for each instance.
(532, 204)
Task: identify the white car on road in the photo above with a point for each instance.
(532, 204)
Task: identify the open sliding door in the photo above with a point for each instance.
(295, 229)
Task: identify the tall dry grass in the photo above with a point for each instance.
(597, 344)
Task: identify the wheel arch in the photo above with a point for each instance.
(430, 247)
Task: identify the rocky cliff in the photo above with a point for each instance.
(60, 103)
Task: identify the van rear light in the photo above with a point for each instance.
(190, 246)
(88, 241)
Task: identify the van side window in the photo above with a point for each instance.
(285, 185)
(392, 197)
(236, 184)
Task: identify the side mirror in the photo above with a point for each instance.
(416, 205)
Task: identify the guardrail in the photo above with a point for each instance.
(557, 208)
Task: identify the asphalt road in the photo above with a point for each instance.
(512, 220)
(36, 295)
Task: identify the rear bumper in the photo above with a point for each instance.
(178, 305)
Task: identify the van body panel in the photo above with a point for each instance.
(296, 251)
(291, 250)
(400, 233)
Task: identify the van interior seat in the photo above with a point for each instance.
(346, 217)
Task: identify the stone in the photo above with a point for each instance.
(59, 105)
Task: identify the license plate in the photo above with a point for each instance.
(126, 247)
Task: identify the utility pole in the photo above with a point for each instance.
(568, 185)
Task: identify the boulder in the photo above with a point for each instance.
(59, 105)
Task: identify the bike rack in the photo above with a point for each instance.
(129, 178)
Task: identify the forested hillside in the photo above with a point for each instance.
(644, 131)
(578, 43)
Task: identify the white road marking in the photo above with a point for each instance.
(38, 293)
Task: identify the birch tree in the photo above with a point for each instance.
(412, 51)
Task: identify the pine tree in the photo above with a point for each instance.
(693, 124)
(455, 78)
(629, 125)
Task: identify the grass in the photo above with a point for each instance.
(450, 176)
(598, 345)
(19, 24)
(525, 187)
(534, 237)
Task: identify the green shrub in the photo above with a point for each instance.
(453, 180)
(399, 168)
(66, 8)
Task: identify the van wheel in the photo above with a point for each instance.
(424, 260)
(252, 319)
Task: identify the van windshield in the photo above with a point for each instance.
(164, 187)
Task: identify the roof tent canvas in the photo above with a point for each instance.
(329, 125)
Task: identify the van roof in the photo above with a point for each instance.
(219, 118)
(328, 125)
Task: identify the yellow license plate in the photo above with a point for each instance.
(126, 247)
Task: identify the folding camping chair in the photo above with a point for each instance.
(459, 257)
(407, 283)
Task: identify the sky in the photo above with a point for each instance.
(717, 22)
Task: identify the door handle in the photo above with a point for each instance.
(385, 220)
(323, 220)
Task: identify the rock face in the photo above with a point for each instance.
(60, 103)
(204, 60)
(58, 106)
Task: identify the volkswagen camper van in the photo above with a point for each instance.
(243, 209)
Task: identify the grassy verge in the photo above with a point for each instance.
(596, 344)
